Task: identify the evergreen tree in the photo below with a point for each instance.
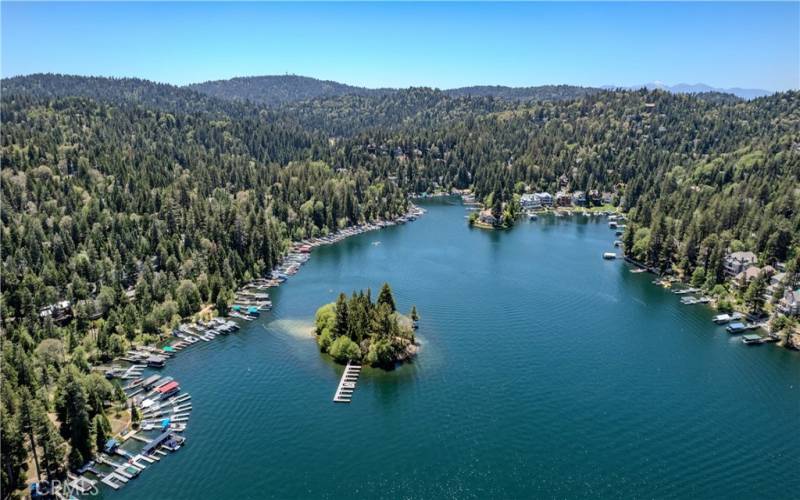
(386, 297)
(341, 325)
(754, 296)
(75, 421)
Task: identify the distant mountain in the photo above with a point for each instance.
(540, 93)
(279, 89)
(700, 88)
(128, 91)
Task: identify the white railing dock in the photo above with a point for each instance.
(344, 393)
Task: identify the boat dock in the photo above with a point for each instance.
(114, 480)
(344, 393)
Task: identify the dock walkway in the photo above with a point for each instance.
(344, 393)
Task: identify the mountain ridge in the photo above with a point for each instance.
(697, 88)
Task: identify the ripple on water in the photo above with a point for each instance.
(544, 372)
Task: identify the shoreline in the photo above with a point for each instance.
(154, 356)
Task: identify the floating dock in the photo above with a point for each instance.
(344, 393)
(114, 480)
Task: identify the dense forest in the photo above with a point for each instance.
(137, 217)
(284, 89)
(278, 90)
(140, 203)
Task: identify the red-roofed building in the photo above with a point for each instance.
(169, 388)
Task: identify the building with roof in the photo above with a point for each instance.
(530, 201)
(790, 303)
(563, 199)
(486, 217)
(745, 277)
(545, 198)
(737, 262)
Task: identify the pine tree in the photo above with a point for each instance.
(754, 296)
(101, 428)
(341, 325)
(386, 297)
(75, 422)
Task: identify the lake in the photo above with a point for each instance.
(545, 371)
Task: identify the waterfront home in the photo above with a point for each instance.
(545, 198)
(607, 198)
(737, 262)
(486, 217)
(579, 198)
(790, 303)
(745, 277)
(530, 201)
(563, 199)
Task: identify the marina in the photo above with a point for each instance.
(164, 408)
(512, 392)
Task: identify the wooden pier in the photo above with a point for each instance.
(344, 393)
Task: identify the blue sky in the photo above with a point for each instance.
(403, 44)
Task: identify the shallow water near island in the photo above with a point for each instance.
(545, 371)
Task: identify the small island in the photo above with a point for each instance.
(374, 333)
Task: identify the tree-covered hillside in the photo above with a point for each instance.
(138, 203)
(540, 93)
(279, 89)
(137, 217)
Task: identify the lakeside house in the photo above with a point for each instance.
(607, 198)
(545, 198)
(530, 201)
(563, 199)
(748, 275)
(486, 217)
(780, 279)
(579, 198)
(737, 262)
(790, 303)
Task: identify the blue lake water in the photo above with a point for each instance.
(545, 371)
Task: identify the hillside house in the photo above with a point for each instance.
(790, 303)
(737, 262)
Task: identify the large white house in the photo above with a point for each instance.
(536, 200)
(545, 198)
(530, 200)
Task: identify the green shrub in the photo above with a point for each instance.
(343, 349)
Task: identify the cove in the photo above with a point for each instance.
(545, 371)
